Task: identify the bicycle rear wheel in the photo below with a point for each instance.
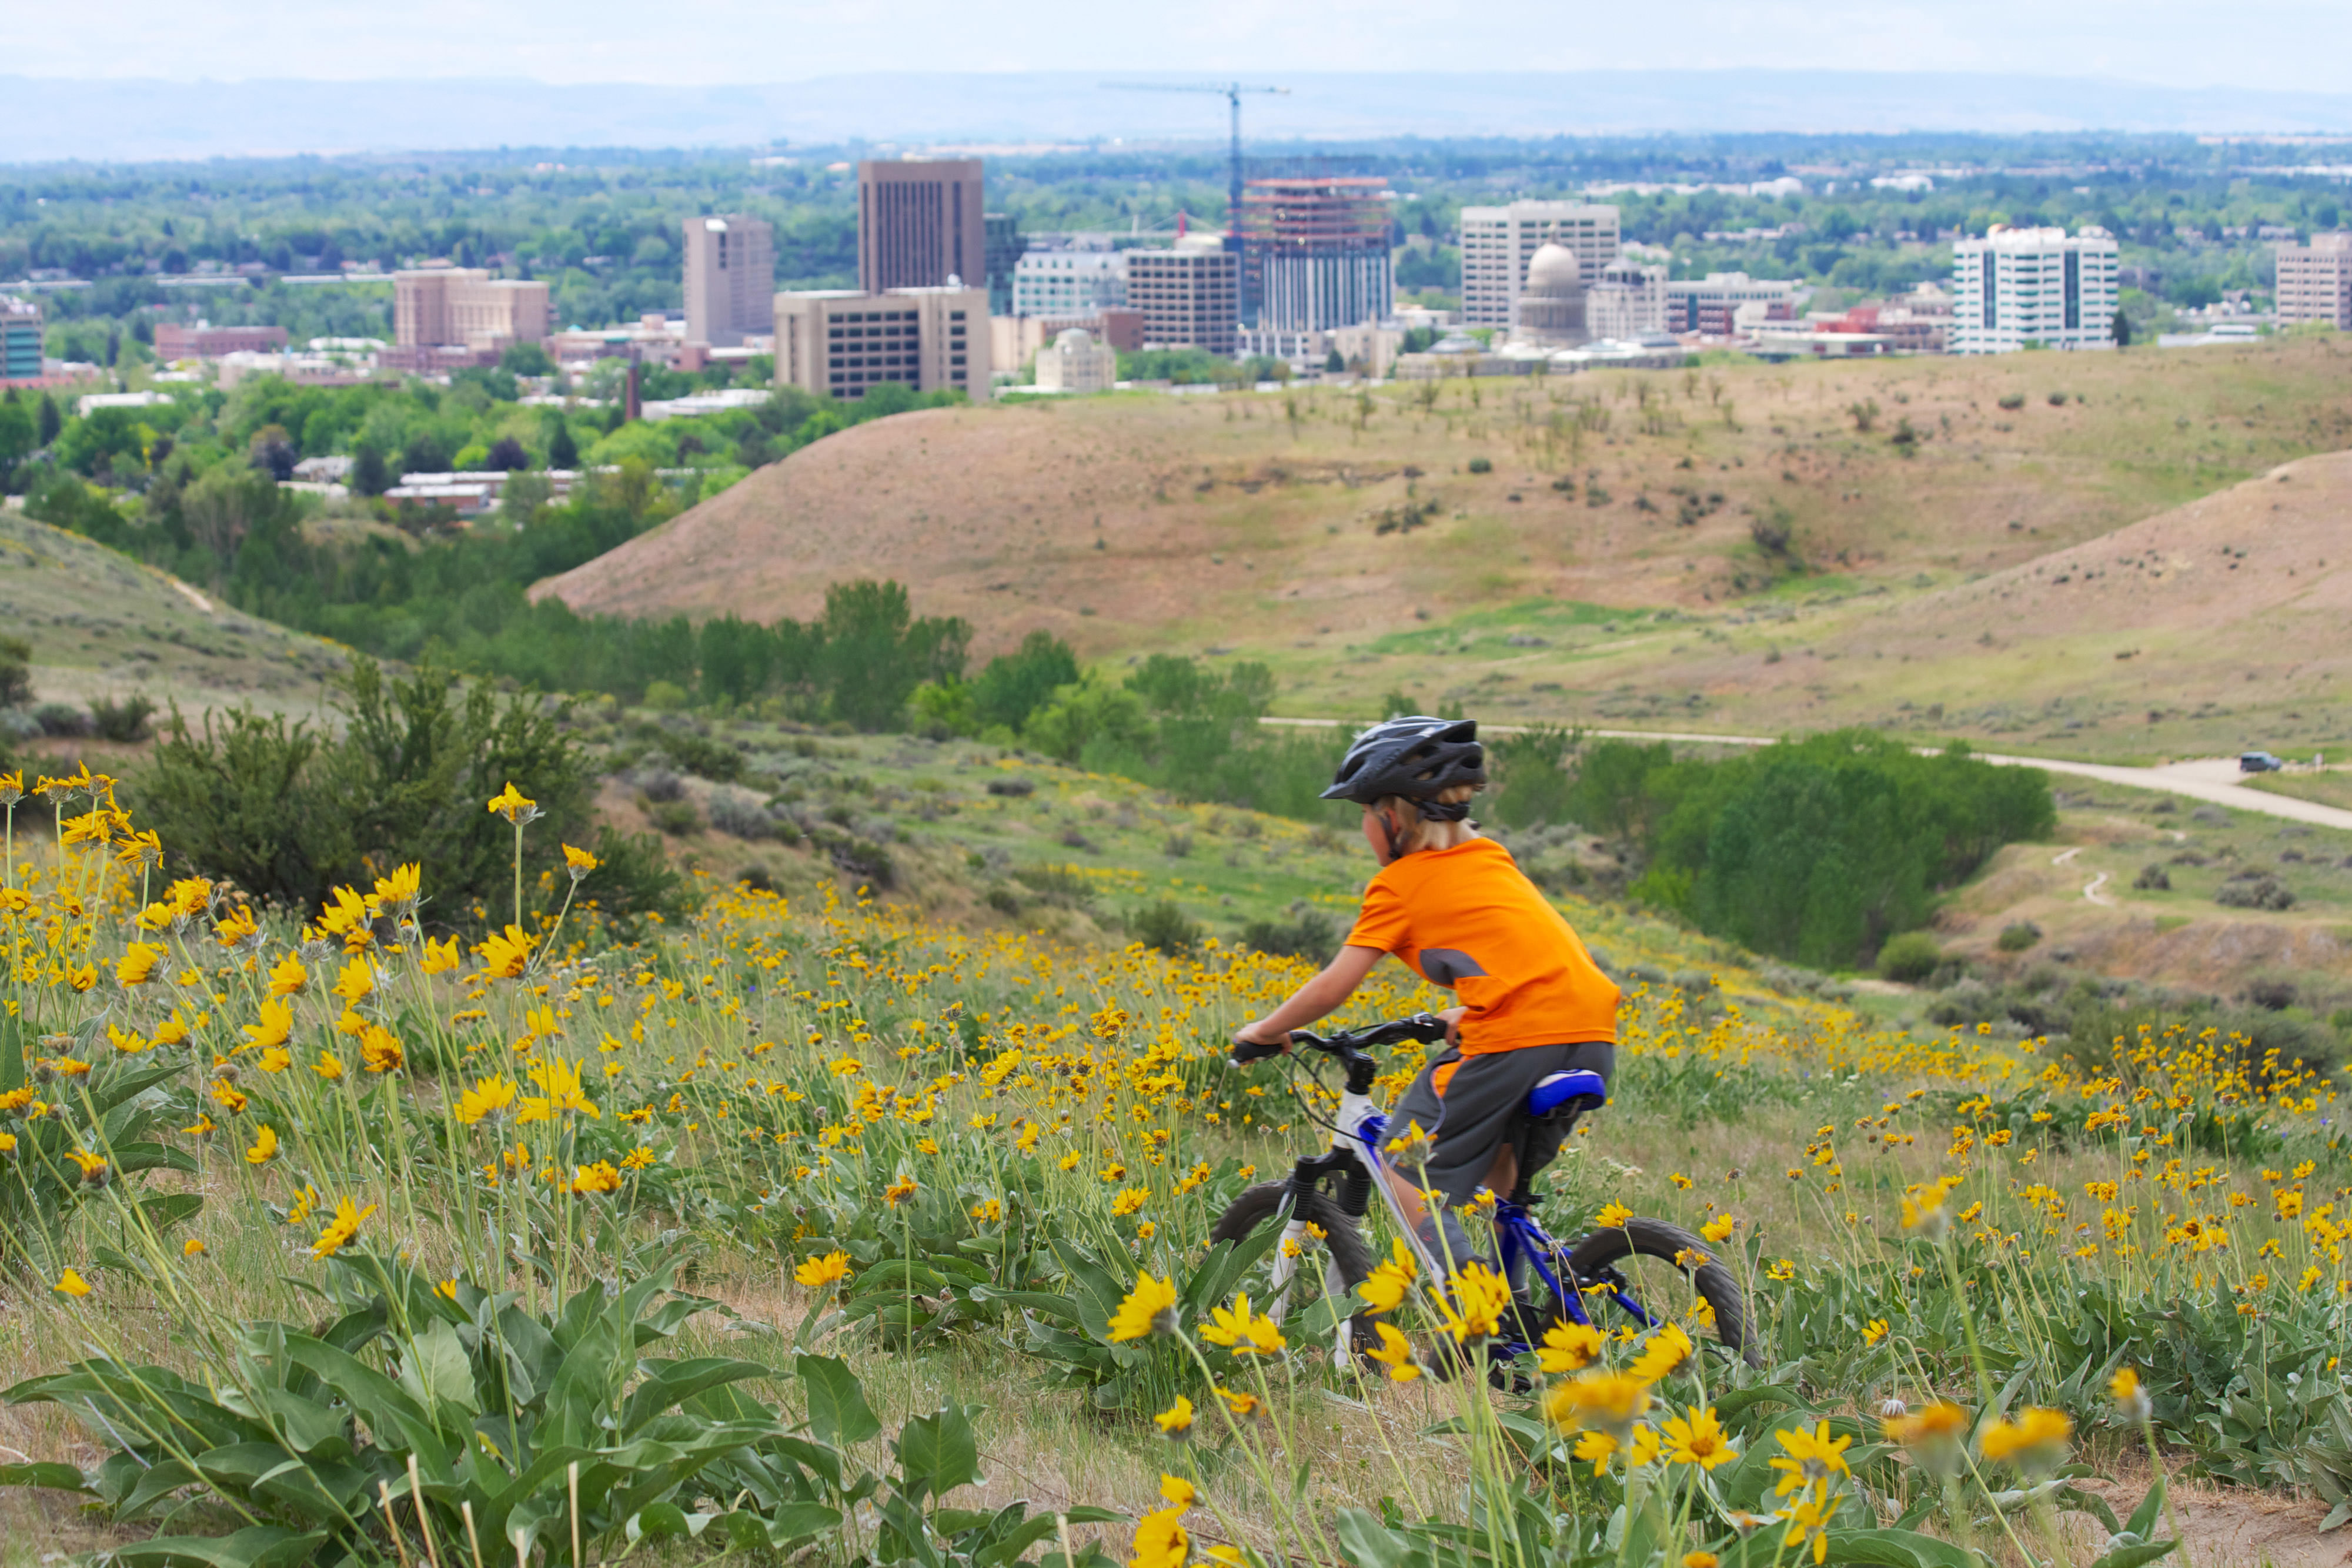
(1671, 1245)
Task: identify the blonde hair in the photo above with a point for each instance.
(1418, 831)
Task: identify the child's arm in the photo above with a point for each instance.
(1316, 999)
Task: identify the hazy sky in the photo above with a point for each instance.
(2281, 44)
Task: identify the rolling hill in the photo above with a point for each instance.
(103, 625)
(1608, 566)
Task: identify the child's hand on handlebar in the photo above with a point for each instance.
(1254, 1042)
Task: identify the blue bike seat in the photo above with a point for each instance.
(1555, 1090)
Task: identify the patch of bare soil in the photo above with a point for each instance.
(2228, 1528)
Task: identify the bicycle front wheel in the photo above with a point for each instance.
(1350, 1260)
(1625, 1248)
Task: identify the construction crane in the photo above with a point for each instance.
(1232, 93)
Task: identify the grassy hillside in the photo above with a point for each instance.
(104, 626)
(1346, 537)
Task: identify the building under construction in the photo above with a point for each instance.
(1318, 254)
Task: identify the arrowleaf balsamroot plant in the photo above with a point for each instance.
(493, 1158)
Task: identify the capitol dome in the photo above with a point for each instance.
(1550, 310)
(1553, 270)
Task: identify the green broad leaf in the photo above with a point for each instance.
(1366, 1543)
(937, 1453)
(436, 1370)
(164, 1211)
(55, 1477)
(671, 1383)
(664, 1522)
(1899, 1548)
(1044, 1305)
(2091, 1503)
(792, 1523)
(255, 1546)
(2132, 1555)
(2150, 1509)
(836, 1400)
(131, 1158)
(897, 1278)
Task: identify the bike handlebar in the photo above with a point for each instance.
(1426, 1028)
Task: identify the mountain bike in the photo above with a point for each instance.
(1332, 1192)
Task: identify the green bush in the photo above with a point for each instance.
(15, 672)
(1816, 850)
(124, 721)
(2018, 935)
(1482, 465)
(1163, 929)
(287, 812)
(1532, 786)
(1909, 957)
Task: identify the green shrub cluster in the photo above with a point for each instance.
(287, 812)
(1816, 850)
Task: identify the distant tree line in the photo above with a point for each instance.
(1815, 850)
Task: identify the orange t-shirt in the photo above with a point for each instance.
(1468, 918)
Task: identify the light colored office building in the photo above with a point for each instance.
(1074, 362)
(2315, 281)
(450, 307)
(730, 279)
(1068, 282)
(1711, 305)
(1497, 243)
(1628, 299)
(919, 224)
(843, 342)
(1189, 294)
(2029, 287)
(205, 341)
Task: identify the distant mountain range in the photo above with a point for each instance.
(121, 120)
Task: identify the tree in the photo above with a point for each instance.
(562, 452)
(50, 421)
(2122, 330)
(272, 452)
(15, 436)
(1016, 685)
(228, 504)
(876, 653)
(506, 455)
(369, 477)
(526, 359)
(1333, 364)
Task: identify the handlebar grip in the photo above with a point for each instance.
(1246, 1051)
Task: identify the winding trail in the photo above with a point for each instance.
(2214, 780)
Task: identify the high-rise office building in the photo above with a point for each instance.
(2315, 281)
(1189, 294)
(844, 342)
(20, 340)
(1711, 305)
(1317, 253)
(1003, 245)
(730, 279)
(1497, 243)
(2033, 287)
(919, 223)
(1068, 282)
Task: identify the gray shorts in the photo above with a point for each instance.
(1472, 1104)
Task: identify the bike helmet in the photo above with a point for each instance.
(1416, 757)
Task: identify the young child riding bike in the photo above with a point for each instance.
(1455, 909)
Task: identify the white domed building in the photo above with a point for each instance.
(1550, 311)
(1075, 362)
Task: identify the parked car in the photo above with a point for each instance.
(2258, 762)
